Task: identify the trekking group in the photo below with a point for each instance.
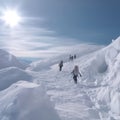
(72, 57)
(75, 72)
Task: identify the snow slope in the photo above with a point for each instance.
(22, 100)
(110, 100)
(8, 60)
(10, 75)
(26, 101)
(95, 97)
(79, 50)
(97, 94)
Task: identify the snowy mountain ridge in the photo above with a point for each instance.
(111, 96)
(9, 60)
(20, 98)
(95, 97)
(100, 81)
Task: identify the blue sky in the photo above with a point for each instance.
(87, 20)
(49, 23)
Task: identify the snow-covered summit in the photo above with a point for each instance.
(9, 60)
(116, 43)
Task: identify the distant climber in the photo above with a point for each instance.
(75, 73)
(71, 58)
(60, 65)
(74, 56)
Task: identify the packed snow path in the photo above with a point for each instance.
(97, 94)
(72, 101)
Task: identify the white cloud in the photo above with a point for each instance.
(79, 49)
(36, 42)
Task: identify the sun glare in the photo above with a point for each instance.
(11, 18)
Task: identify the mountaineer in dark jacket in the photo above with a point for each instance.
(75, 73)
(60, 65)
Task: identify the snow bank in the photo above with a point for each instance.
(26, 101)
(115, 103)
(105, 69)
(11, 75)
(8, 60)
(101, 70)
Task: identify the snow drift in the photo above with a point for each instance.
(100, 78)
(8, 60)
(111, 96)
(102, 70)
(11, 75)
(99, 86)
(26, 101)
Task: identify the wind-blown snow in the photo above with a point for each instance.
(111, 81)
(26, 101)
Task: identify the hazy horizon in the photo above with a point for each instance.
(47, 24)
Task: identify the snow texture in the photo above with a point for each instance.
(26, 101)
(10, 75)
(9, 60)
(95, 97)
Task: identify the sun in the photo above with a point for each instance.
(11, 18)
